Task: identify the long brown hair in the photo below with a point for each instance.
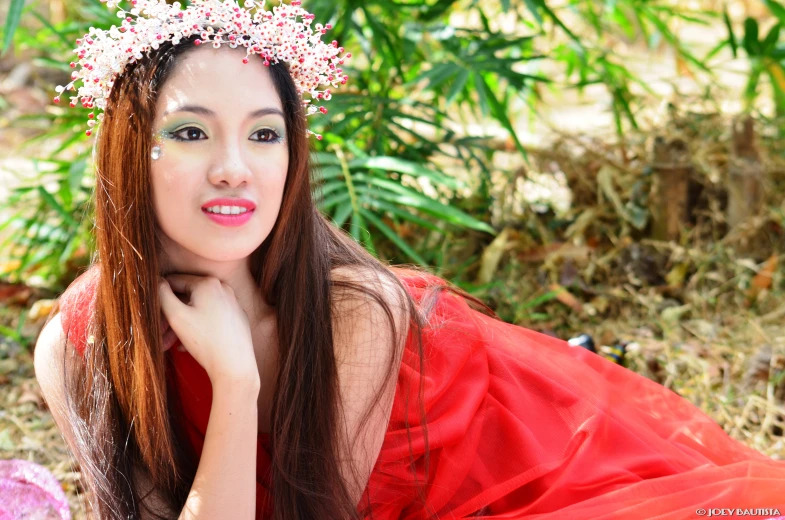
(118, 403)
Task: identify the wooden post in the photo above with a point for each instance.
(745, 174)
(671, 169)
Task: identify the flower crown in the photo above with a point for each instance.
(275, 36)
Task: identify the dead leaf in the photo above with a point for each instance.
(682, 68)
(554, 251)
(567, 298)
(762, 280)
(40, 310)
(31, 393)
(492, 255)
(677, 275)
(15, 293)
(8, 365)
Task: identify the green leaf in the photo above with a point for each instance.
(56, 206)
(342, 213)
(11, 23)
(717, 48)
(481, 94)
(360, 233)
(771, 39)
(457, 86)
(558, 22)
(402, 166)
(501, 114)
(393, 237)
(329, 202)
(75, 174)
(750, 91)
(402, 213)
(69, 43)
(751, 43)
(729, 28)
(776, 9)
(404, 197)
(534, 8)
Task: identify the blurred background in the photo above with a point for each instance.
(610, 168)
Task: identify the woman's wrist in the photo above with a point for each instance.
(237, 385)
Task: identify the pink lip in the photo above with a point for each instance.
(230, 220)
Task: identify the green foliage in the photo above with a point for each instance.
(765, 54)
(11, 23)
(419, 69)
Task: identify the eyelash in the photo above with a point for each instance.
(275, 139)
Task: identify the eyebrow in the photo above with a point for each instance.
(196, 109)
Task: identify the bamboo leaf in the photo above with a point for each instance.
(751, 43)
(500, 114)
(457, 86)
(51, 202)
(342, 214)
(771, 39)
(402, 166)
(11, 23)
(393, 237)
(776, 9)
(729, 28)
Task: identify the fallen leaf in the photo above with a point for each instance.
(676, 276)
(8, 365)
(762, 280)
(567, 298)
(40, 310)
(491, 257)
(6, 442)
(31, 393)
(15, 293)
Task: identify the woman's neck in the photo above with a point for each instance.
(236, 274)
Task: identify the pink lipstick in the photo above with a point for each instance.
(241, 211)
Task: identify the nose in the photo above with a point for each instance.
(230, 167)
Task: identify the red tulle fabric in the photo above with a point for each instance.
(521, 425)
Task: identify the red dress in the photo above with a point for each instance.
(524, 426)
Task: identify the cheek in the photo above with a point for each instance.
(270, 167)
(173, 190)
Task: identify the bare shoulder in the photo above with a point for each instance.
(353, 309)
(385, 285)
(48, 359)
(366, 349)
(52, 356)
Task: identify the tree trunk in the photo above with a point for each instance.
(745, 174)
(671, 168)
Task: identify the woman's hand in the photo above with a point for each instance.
(212, 326)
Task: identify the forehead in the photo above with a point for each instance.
(219, 78)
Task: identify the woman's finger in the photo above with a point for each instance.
(170, 303)
(169, 339)
(183, 283)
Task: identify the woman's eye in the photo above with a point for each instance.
(266, 135)
(190, 133)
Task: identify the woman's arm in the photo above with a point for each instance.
(225, 482)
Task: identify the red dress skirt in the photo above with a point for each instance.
(521, 425)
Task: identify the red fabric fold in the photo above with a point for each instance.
(522, 425)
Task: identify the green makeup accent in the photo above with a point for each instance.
(157, 150)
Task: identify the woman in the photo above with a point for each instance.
(231, 354)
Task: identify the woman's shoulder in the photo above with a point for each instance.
(361, 291)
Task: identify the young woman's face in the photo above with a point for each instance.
(218, 133)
